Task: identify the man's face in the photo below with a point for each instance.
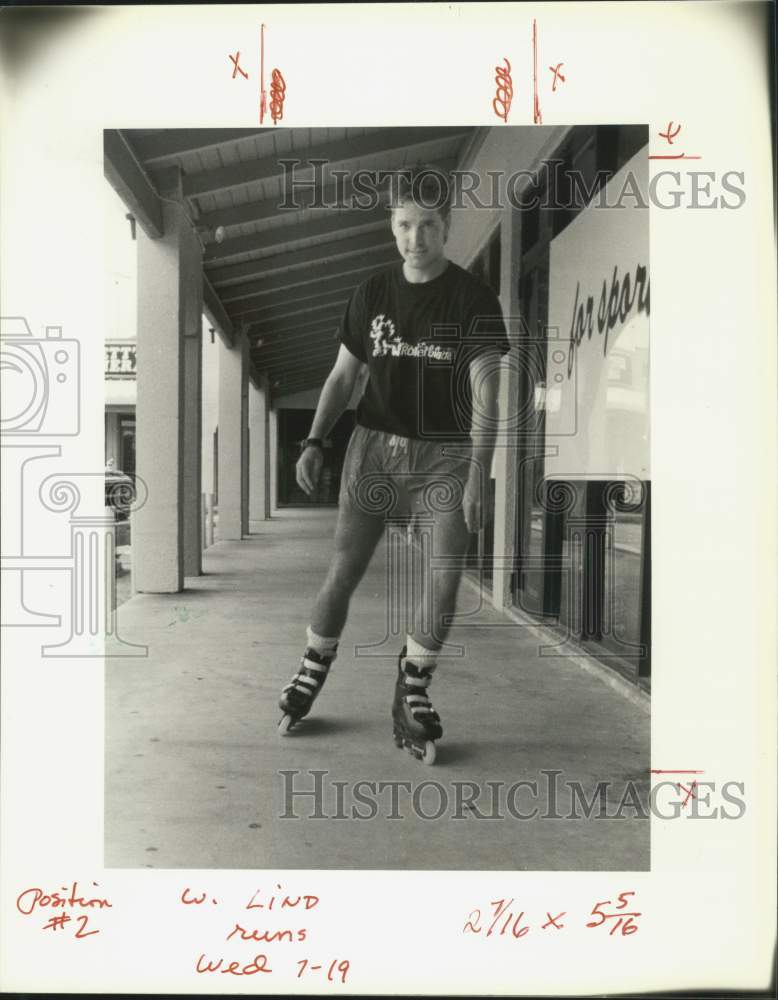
(420, 233)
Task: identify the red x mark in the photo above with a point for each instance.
(557, 74)
(552, 921)
(689, 792)
(237, 68)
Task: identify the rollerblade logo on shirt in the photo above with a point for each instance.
(387, 342)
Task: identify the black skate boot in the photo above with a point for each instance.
(416, 723)
(300, 693)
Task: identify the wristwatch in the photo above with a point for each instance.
(316, 442)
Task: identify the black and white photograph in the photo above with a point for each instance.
(388, 439)
(377, 438)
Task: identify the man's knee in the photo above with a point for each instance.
(355, 540)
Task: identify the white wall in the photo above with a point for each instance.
(507, 149)
(121, 271)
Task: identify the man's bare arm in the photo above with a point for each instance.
(485, 384)
(337, 391)
(335, 395)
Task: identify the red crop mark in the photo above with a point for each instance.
(689, 792)
(536, 113)
(262, 94)
(670, 134)
(501, 104)
(236, 68)
(659, 770)
(277, 96)
(557, 75)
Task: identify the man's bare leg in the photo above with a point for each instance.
(356, 535)
(416, 723)
(438, 592)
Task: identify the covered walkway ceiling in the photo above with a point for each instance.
(283, 275)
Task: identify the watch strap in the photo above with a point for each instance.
(316, 442)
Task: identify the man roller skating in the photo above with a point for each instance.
(427, 336)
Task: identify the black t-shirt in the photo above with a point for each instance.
(418, 341)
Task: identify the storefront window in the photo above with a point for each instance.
(584, 292)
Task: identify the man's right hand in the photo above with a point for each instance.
(309, 469)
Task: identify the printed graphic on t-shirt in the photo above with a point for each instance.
(386, 341)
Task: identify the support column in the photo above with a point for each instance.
(273, 472)
(193, 424)
(245, 436)
(505, 481)
(259, 459)
(168, 274)
(233, 428)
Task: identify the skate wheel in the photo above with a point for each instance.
(397, 740)
(428, 757)
(286, 723)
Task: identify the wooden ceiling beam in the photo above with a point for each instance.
(333, 250)
(291, 339)
(316, 346)
(309, 380)
(321, 363)
(216, 313)
(322, 196)
(263, 330)
(169, 143)
(385, 140)
(279, 237)
(307, 311)
(126, 176)
(302, 278)
(301, 293)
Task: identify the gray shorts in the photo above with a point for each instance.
(393, 476)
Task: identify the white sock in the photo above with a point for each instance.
(419, 655)
(323, 645)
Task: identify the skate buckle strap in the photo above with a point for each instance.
(417, 676)
(311, 674)
(418, 679)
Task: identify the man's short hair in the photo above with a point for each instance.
(424, 185)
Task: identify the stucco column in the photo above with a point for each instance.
(259, 458)
(169, 271)
(505, 451)
(273, 434)
(193, 424)
(233, 430)
(245, 438)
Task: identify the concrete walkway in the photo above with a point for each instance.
(193, 761)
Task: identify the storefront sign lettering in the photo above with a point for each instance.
(617, 299)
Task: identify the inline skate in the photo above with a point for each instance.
(300, 693)
(416, 723)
